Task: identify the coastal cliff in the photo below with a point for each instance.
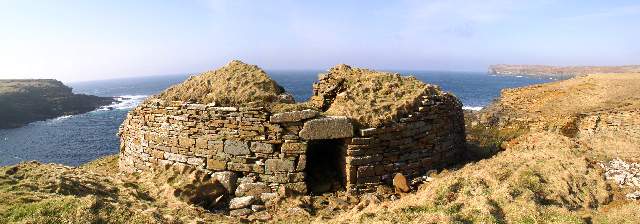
(558, 72)
(27, 100)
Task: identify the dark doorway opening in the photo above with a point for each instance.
(325, 166)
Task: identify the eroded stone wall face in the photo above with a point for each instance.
(267, 152)
(215, 139)
(431, 137)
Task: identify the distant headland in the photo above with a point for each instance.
(27, 100)
(560, 72)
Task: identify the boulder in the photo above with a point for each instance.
(240, 212)
(400, 183)
(241, 202)
(228, 179)
(327, 128)
(293, 116)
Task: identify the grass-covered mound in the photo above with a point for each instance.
(32, 192)
(235, 84)
(371, 98)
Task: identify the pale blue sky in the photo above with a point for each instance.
(75, 40)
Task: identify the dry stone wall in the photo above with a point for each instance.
(257, 154)
(431, 137)
(216, 139)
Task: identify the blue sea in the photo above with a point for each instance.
(77, 139)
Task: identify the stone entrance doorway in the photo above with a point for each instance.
(325, 166)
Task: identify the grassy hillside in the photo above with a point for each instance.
(28, 100)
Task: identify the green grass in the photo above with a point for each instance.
(54, 210)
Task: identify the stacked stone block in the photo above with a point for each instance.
(215, 139)
(266, 152)
(430, 137)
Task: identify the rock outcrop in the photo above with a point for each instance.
(601, 110)
(28, 100)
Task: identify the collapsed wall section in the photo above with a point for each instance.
(366, 127)
(216, 139)
(431, 136)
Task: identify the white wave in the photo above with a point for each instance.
(62, 117)
(472, 108)
(519, 76)
(125, 102)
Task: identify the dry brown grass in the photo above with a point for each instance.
(552, 105)
(8, 86)
(544, 177)
(93, 193)
(372, 98)
(235, 84)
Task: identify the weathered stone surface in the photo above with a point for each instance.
(327, 128)
(279, 165)
(241, 167)
(261, 147)
(202, 143)
(225, 109)
(400, 183)
(195, 161)
(252, 189)
(293, 116)
(257, 208)
(241, 202)
(268, 196)
(216, 164)
(234, 147)
(175, 157)
(228, 179)
(240, 212)
(186, 141)
(294, 147)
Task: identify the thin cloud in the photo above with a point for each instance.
(607, 13)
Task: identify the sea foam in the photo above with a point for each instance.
(472, 108)
(125, 102)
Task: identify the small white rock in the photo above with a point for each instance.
(241, 202)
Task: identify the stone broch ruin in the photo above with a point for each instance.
(359, 129)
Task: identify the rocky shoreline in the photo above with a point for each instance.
(27, 100)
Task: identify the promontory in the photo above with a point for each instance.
(560, 72)
(27, 100)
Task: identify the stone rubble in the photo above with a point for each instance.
(624, 174)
